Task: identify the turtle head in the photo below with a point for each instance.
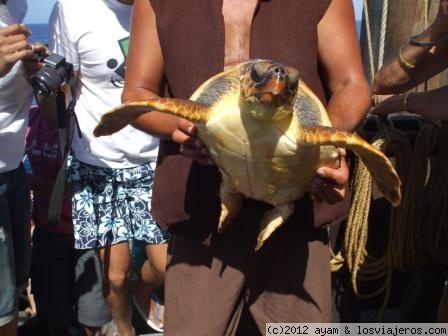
(267, 89)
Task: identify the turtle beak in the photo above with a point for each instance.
(274, 90)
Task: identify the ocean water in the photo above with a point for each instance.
(39, 33)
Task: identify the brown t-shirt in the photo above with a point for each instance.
(191, 34)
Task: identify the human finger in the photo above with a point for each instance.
(20, 45)
(15, 29)
(187, 126)
(329, 184)
(14, 57)
(10, 39)
(396, 103)
(180, 137)
(40, 48)
(338, 176)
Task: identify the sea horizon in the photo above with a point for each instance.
(39, 32)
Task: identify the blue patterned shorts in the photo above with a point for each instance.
(110, 205)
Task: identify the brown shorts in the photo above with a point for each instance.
(214, 290)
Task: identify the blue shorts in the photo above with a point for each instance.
(15, 240)
(110, 205)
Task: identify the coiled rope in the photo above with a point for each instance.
(417, 227)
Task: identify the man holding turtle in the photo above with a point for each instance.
(216, 284)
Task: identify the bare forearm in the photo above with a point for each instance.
(430, 104)
(349, 105)
(155, 123)
(413, 63)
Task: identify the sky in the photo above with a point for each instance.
(39, 10)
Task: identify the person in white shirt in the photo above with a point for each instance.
(15, 100)
(111, 176)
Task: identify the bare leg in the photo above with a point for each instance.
(10, 328)
(90, 331)
(152, 275)
(116, 262)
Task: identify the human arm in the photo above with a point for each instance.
(348, 90)
(422, 57)
(430, 104)
(144, 76)
(342, 69)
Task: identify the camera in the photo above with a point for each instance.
(55, 72)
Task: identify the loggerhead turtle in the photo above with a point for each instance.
(267, 132)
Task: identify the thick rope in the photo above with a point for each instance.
(417, 228)
(436, 205)
(384, 12)
(369, 39)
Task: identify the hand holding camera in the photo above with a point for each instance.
(14, 46)
(32, 63)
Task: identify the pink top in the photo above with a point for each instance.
(42, 147)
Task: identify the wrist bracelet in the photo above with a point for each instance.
(414, 42)
(403, 62)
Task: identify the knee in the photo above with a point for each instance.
(117, 280)
(158, 268)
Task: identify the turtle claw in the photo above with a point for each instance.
(224, 219)
(230, 206)
(272, 220)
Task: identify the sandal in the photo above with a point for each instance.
(154, 320)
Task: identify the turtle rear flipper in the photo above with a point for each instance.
(122, 115)
(272, 220)
(377, 163)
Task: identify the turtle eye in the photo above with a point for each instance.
(293, 82)
(292, 86)
(254, 75)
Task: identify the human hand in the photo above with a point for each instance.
(31, 63)
(14, 46)
(392, 104)
(190, 144)
(330, 184)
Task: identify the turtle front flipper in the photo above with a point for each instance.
(377, 163)
(124, 114)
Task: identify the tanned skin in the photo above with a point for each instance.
(394, 78)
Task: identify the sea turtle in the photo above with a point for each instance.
(267, 132)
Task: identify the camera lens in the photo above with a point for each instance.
(46, 81)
